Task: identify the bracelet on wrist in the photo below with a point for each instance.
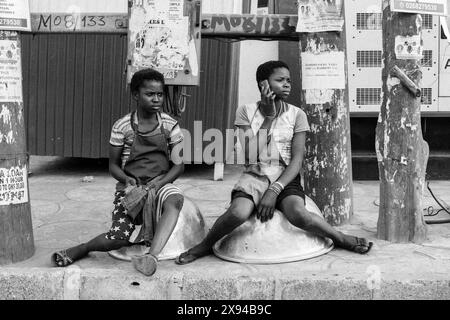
(276, 189)
(277, 192)
(279, 184)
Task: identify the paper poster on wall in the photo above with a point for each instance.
(323, 71)
(13, 185)
(320, 15)
(10, 72)
(159, 36)
(15, 15)
(433, 7)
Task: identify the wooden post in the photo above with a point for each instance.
(401, 151)
(328, 160)
(16, 232)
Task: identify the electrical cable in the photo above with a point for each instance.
(175, 100)
(431, 212)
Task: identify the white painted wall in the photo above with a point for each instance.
(221, 6)
(253, 53)
(121, 6)
(91, 6)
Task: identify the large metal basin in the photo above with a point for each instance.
(276, 241)
(189, 231)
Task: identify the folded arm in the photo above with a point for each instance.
(115, 166)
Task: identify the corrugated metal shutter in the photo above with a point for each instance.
(74, 89)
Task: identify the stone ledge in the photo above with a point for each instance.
(95, 284)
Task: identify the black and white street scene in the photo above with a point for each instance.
(251, 151)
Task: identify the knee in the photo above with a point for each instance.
(301, 218)
(174, 202)
(119, 243)
(238, 214)
(111, 241)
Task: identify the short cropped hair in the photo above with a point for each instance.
(266, 69)
(142, 75)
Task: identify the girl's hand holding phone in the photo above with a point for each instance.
(267, 100)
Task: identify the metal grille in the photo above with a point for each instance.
(368, 59)
(368, 96)
(427, 21)
(427, 96)
(369, 21)
(427, 60)
(374, 21)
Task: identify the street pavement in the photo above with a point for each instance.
(71, 202)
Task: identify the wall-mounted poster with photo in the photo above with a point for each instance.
(320, 15)
(163, 35)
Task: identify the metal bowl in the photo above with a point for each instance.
(276, 241)
(189, 231)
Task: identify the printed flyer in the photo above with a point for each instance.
(320, 15)
(15, 15)
(13, 186)
(323, 71)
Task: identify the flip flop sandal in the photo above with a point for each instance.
(361, 246)
(145, 264)
(187, 257)
(183, 258)
(61, 259)
(363, 249)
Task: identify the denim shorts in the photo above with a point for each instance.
(252, 188)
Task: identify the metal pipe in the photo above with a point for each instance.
(406, 81)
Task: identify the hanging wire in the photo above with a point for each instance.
(432, 212)
(175, 100)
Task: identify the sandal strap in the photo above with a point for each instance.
(64, 258)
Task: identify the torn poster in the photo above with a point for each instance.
(10, 72)
(317, 96)
(159, 37)
(320, 15)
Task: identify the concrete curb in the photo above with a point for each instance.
(74, 283)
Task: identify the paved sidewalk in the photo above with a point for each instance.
(67, 211)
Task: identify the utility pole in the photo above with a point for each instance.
(16, 232)
(401, 151)
(328, 158)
